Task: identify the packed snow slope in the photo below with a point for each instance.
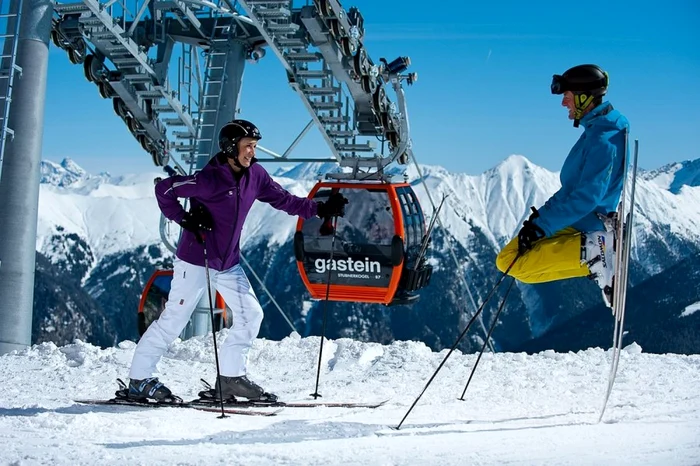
(518, 409)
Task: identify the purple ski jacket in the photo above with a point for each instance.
(228, 200)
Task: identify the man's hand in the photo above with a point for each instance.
(528, 235)
(196, 220)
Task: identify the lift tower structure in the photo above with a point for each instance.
(173, 70)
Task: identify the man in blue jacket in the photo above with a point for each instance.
(569, 236)
(221, 196)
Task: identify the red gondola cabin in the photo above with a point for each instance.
(376, 245)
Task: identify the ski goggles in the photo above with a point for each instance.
(558, 85)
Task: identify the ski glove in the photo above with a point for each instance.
(333, 207)
(197, 219)
(528, 235)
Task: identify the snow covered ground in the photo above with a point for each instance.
(519, 409)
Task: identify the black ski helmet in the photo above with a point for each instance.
(588, 83)
(234, 131)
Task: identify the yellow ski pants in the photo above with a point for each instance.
(554, 258)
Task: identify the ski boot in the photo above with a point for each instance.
(241, 386)
(598, 253)
(150, 389)
(234, 387)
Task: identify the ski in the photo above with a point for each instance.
(623, 234)
(328, 404)
(148, 404)
(624, 231)
(285, 404)
(207, 397)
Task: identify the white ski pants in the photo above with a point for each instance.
(188, 286)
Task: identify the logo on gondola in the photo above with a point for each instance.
(347, 265)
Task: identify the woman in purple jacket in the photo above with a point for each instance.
(221, 196)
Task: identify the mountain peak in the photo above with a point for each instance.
(675, 175)
(514, 162)
(70, 166)
(64, 174)
(514, 167)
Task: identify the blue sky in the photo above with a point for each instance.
(482, 93)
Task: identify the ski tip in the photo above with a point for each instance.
(375, 404)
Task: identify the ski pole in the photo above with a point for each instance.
(213, 327)
(315, 394)
(464, 332)
(483, 347)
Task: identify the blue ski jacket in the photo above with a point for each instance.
(592, 175)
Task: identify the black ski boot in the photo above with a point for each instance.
(150, 389)
(242, 387)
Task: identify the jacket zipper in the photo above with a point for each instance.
(235, 224)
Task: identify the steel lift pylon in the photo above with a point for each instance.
(173, 70)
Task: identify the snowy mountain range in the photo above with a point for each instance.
(100, 234)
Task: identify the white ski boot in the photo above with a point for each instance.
(598, 253)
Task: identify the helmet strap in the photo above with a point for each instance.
(236, 162)
(582, 102)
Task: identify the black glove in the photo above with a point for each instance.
(333, 207)
(197, 219)
(528, 235)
